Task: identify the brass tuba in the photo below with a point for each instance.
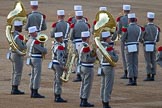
(18, 13)
(104, 22)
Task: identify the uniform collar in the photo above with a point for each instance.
(149, 23)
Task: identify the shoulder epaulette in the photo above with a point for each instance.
(86, 49)
(21, 37)
(109, 49)
(60, 47)
(72, 25)
(124, 29)
(54, 24)
(160, 48)
(37, 42)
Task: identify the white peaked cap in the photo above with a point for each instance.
(150, 15)
(58, 34)
(34, 3)
(132, 15)
(60, 12)
(126, 7)
(32, 29)
(85, 34)
(18, 23)
(106, 34)
(103, 8)
(78, 13)
(77, 7)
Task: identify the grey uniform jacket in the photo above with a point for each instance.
(132, 33)
(37, 48)
(77, 28)
(60, 26)
(19, 40)
(59, 54)
(36, 19)
(86, 54)
(151, 33)
(72, 20)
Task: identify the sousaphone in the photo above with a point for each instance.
(104, 22)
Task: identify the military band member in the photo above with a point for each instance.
(122, 22)
(73, 19)
(36, 18)
(36, 52)
(61, 26)
(59, 61)
(75, 36)
(107, 72)
(150, 37)
(87, 58)
(159, 56)
(17, 59)
(131, 37)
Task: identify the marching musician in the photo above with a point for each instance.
(150, 37)
(107, 71)
(87, 57)
(73, 19)
(36, 18)
(61, 26)
(16, 59)
(131, 37)
(59, 61)
(36, 52)
(159, 56)
(122, 22)
(75, 36)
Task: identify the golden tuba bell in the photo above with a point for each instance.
(18, 13)
(104, 22)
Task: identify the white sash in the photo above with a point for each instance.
(41, 23)
(67, 29)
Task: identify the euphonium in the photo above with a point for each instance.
(18, 13)
(104, 22)
(69, 63)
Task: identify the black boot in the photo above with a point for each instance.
(125, 75)
(148, 78)
(81, 101)
(35, 94)
(106, 105)
(130, 83)
(59, 99)
(31, 92)
(78, 78)
(86, 104)
(16, 91)
(135, 81)
(152, 77)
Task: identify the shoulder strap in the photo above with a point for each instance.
(41, 23)
(67, 29)
(157, 31)
(139, 34)
(31, 47)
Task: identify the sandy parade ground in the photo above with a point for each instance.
(145, 95)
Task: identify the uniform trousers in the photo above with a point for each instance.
(57, 86)
(87, 75)
(132, 64)
(17, 62)
(107, 81)
(36, 64)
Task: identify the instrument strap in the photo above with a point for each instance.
(139, 34)
(41, 23)
(157, 31)
(31, 47)
(67, 29)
